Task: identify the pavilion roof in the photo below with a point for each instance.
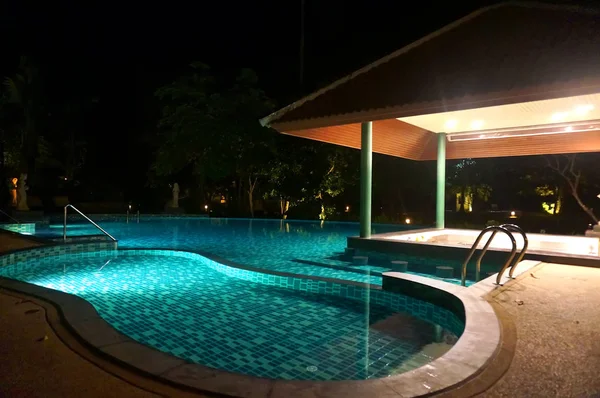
(504, 54)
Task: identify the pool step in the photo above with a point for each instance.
(360, 260)
(444, 271)
(344, 266)
(83, 238)
(399, 266)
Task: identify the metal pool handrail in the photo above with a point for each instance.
(9, 216)
(494, 229)
(87, 218)
(516, 228)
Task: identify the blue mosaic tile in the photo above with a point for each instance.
(240, 320)
(298, 247)
(22, 228)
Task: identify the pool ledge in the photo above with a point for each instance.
(467, 358)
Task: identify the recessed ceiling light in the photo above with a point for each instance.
(558, 116)
(451, 124)
(581, 110)
(477, 124)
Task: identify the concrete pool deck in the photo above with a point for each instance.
(565, 365)
(556, 311)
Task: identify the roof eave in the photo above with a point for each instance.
(583, 87)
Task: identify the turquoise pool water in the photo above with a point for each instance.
(249, 322)
(300, 247)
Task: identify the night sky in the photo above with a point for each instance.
(131, 49)
(120, 52)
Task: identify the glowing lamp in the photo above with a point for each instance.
(347, 209)
(477, 124)
(559, 116)
(408, 221)
(451, 124)
(582, 110)
(205, 207)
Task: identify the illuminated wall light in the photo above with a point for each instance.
(582, 110)
(477, 124)
(451, 124)
(408, 221)
(559, 116)
(205, 207)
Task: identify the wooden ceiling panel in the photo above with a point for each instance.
(390, 137)
(579, 142)
(395, 138)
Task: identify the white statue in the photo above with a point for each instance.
(22, 193)
(175, 203)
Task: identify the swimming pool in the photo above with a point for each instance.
(249, 322)
(300, 247)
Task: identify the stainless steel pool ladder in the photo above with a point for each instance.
(138, 217)
(87, 218)
(512, 260)
(9, 216)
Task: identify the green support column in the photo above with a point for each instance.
(366, 174)
(440, 202)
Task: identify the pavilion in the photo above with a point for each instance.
(513, 79)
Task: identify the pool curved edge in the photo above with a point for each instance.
(478, 344)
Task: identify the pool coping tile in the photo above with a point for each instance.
(469, 356)
(143, 357)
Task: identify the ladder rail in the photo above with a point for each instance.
(9, 216)
(493, 229)
(519, 258)
(483, 251)
(87, 218)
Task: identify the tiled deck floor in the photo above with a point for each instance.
(558, 333)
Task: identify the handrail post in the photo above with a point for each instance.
(87, 218)
(474, 247)
(478, 263)
(65, 225)
(471, 252)
(519, 258)
(9, 216)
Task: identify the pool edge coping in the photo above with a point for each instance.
(481, 337)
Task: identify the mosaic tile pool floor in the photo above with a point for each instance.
(299, 247)
(205, 314)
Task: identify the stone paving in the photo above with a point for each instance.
(556, 311)
(36, 363)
